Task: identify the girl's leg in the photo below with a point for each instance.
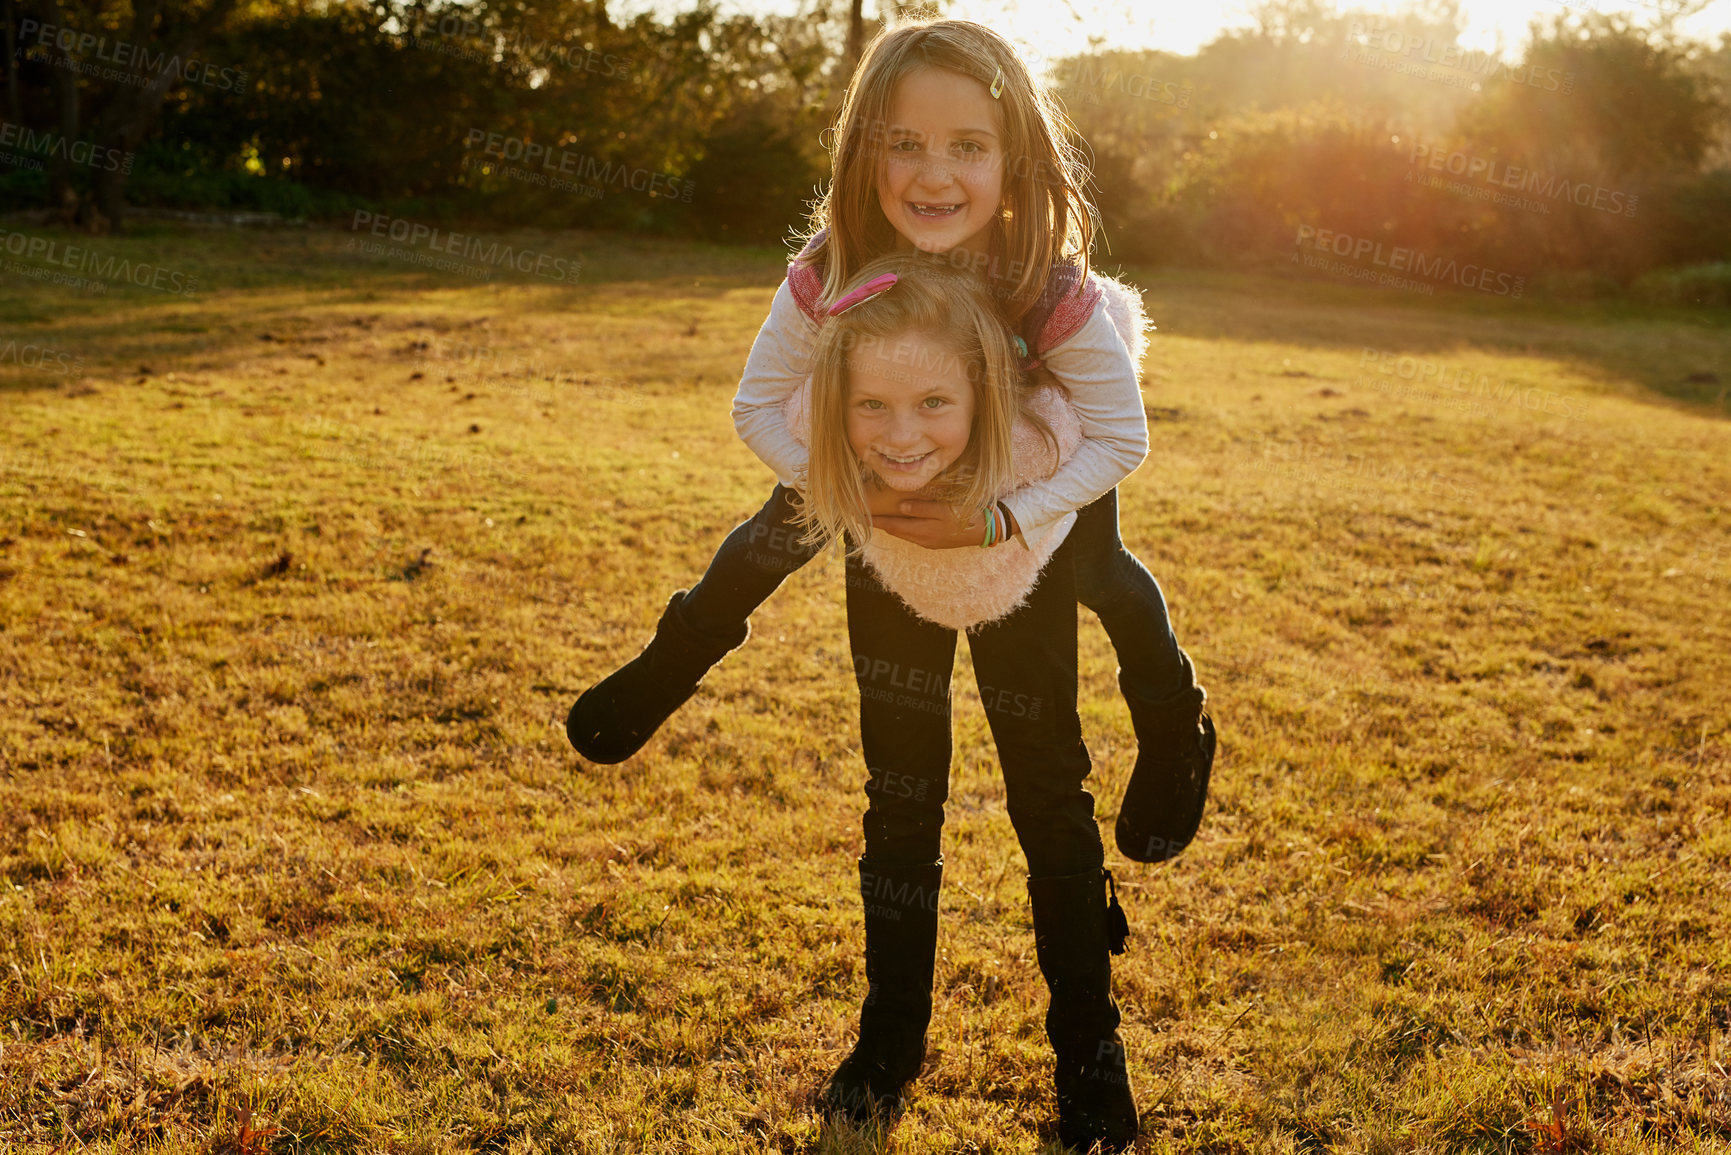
(1112, 582)
(1175, 740)
(903, 669)
(902, 665)
(1026, 666)
(750, 565)
(615, 717)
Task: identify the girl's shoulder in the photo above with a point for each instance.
(1071, 300)
(1063, 306)
(805, 278)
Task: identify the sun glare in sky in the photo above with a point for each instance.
(1050, 29)
(1061, 26)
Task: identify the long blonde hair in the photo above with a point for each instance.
(1046, 216)
(953, 311)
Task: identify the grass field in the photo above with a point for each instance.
(300, 574)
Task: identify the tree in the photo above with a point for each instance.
(855, 39)
(1625, 101)
(156, 53)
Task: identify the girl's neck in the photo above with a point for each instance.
(939, 488)
(874, 484)
(981, 246)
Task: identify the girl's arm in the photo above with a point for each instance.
(780, 360)
(1097, 368)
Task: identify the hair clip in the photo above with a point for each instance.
(998, 83)
(872, 288)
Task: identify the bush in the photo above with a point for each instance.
(1245, 194)
(1708, 284)
(753, 184)
(23, 188)
(1574, 285)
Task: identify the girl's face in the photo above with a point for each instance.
(910, 409)
(941, 181)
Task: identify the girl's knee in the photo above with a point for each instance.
(1108, 575)
(910, 790)
(1051, 765)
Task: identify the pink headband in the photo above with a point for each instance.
(873, 287)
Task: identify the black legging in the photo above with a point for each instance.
(764, 549)
(1026, 668)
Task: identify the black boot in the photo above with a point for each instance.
(1163, 804)
(614, 718)
(1075, 934)
(901, 931)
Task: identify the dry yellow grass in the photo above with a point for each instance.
(290, 836)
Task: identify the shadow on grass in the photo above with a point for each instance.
(253, 283)
(1677, 355)
(257, 287)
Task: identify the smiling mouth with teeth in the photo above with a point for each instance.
(890, 457)
(934, 210)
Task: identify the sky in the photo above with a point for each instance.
(1055, 28)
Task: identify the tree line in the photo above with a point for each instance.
(1363, 141)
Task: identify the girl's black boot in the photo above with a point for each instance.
(1168, 790)
(614, 718)
(1075, 934)
(901, 933)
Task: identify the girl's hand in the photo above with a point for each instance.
(884, 502)
(932, 525)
